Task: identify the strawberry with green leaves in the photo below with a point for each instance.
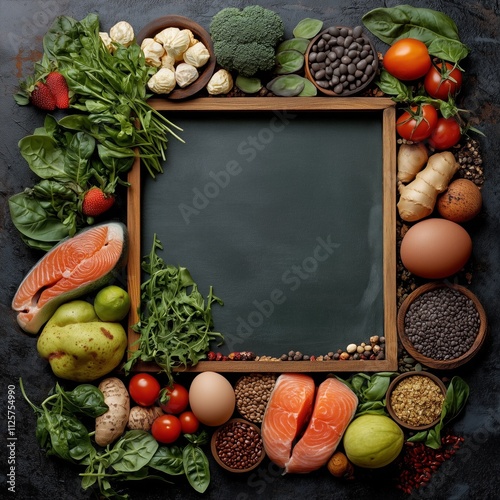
(46, 91)
(96, 202)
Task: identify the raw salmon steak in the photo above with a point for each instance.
(334, 408)
(73, 267)
(286, 414)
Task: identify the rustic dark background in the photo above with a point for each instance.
(471, 474)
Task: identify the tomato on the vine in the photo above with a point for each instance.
(189, 422)
(446, 134)
(178, 399)
(166, 429)
(442, 81)
(144, 389)
(407, 59)
(417, 123)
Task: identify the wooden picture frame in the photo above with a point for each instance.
(386, 109)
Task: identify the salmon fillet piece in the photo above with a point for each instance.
(334, 408)
(70, 269)
(286, 414)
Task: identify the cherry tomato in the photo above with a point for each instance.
(446, 134)
(189, 422)
(144, 389)
(178, 399)
(166, 429)
(443, 81)
(407, 59)
(417, 124)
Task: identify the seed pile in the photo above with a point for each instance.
(342, 59)
(442, 324)
(252, 395)
(239, 445)
(417, 400)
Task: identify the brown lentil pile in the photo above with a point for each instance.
(417, 400)
(252, 395)
(419, 462)
(238, 445)
(442, 323)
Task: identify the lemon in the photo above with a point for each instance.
(112, 303)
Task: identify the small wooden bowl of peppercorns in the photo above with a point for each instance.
(415, 399)
(237, 446)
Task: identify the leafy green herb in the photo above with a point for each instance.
(289, 61)
(370, 390)
(456, 397)
(195, 462)
(249, 85)
(299, 44)
(67, 163)
(58, 431)
(438, 31)
(175, 325)
(307, 28)
(287, 85)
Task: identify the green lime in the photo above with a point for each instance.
(112, 303)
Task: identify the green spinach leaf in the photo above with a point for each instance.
(136, 448)
(196, 467)
(168, 460)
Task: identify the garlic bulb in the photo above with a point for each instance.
(220, 83)
(197, 55)
(163, 81)
(185, 74)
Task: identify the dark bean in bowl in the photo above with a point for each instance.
(341, 61)
(442, 325)
(237, 445)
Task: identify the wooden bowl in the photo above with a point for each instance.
(222, 428)
(159, 24)
(437, 363)
(395, 383)
(329, 91)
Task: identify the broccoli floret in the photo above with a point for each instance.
(245, 40)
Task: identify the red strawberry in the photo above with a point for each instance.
(59, 88)
(42, 97)
(96, 202)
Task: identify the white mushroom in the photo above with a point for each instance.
(162, 82)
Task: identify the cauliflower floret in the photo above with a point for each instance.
(197, 55)
(106, 40)
(122, 33)
(162, 82)
(153, 52)
(185, 74)
(220, 83)
(175, 41)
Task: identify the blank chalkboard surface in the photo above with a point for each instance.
(282, 212)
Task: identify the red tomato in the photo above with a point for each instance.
(446, 134)
(407, 59)
(417, 124)
(443, 81)
(166, 429)
(189, 422)
(178, 399)
(144, 389)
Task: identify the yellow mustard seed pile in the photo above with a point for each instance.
(417, 400)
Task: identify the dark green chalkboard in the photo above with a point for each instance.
(283, 213)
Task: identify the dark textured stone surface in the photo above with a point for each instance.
(471, 474)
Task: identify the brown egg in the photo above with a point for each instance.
(461, 202)
(435, 248)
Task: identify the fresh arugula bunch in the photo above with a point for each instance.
(176, 323)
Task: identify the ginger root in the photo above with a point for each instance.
(411, 160)
(417, 199)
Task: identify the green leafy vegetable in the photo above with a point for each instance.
(289, 61)
(176, 323)
(287, 85)
(195, 462)
(438, 31)
(249, 85)
(307, 28)
(370, 390)
(309, 89)
(456, 397)
(299, 44)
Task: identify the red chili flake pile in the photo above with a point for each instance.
(419, 462)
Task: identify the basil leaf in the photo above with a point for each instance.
(136, 448)
(196, 467)
(307, 28)
(168, 460)
(86, 399)
(438, 31)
